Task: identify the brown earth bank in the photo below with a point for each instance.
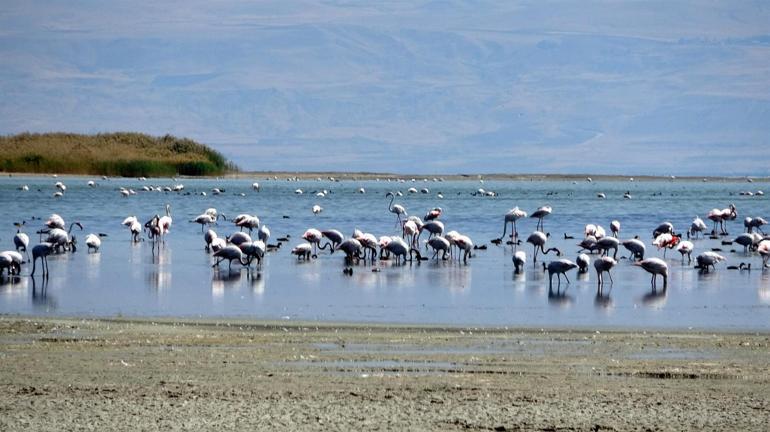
(72, 374)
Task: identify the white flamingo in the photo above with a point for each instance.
(708, 259)
(655, 266)
(538, 239)
(559, 267)
(604, 265)
(396, 209)
(685, 248)
(511, 217)
(540, 214)
(519, 260)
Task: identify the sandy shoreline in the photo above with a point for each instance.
(70, 374)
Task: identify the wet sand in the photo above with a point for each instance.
(66, 374)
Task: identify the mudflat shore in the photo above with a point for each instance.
(92, 374)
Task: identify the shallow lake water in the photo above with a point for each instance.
(130, 279)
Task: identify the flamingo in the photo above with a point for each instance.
(263, 233)
(720, 216)
(602, 265)
(237, 238)
(595, 231)
(313, 236)
(432, 214)
(539, 214)
(410, 230)
(685, 248)
(14, 260)
(615, 228)
(465, 244)
(246, 221)
(664, 228)
(255, 249)
(708, 259)
(589, 244)
(511, 217)
(368, 242)
(303, 251)
(655, 266)
(697, 226)
(751, 223)
(636, 247)
(41, 251)
(230, 253)
(352, 249)
(93, 242)
(748, 241)
(607, 243)
(55, 221)
(209, 237)
(204, 219)
(439, 244)
(666, 241)
(165, 222)
(63, 239)
(7, 263)
(384, 241)
(136, 230)
(21, 242)
(538, 239)
(434, 228)
(317, 209)
(559, 267)
(396, 209)
(519, 260)
(582, 262)
(764, 251)
(334, 238)
(400, 249)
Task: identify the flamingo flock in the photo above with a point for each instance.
(416, 240)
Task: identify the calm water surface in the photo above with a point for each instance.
(128, 279)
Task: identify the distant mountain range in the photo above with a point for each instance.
(444, 87)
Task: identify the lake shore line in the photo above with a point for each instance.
(129, 374)
(369, 176)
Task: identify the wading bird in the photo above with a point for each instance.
(604, 265)
(539, 214)
(519, 260)
(655, 266)
(538, 239)
(511, 217)
(396, 209)
(559, 267)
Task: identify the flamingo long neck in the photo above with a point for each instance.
(392, 198)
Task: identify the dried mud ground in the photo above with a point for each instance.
(69, 374)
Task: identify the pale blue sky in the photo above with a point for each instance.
(437, 87)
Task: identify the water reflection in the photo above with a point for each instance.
(557, 296)
(40, 297)
(159, 275)
(92, 267)
(448, 292)
(655, 299)
(602, 300)
(13, 285)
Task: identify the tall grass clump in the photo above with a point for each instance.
(115, 154)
